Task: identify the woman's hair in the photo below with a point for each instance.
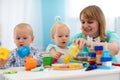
(56, 26)
(94, 12)
(24, 26)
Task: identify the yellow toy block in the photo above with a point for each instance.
(67, 59)
(4, 53)
(74, 50)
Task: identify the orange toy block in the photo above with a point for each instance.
(30, 63)
(4, 53)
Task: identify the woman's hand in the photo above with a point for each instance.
(81, 42)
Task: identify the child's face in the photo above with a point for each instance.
(62, 36)
(22, 37)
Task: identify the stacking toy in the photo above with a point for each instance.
(23, 51)
(4, 53)
(30, 63)
(74, 50)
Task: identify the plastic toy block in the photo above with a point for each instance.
(30, 63)
(92, 62)
(74, 50)
(37, 69)
(106, 67)
(98, 48)
(105, 59)
(10, 72)
(23, 51)
(98, 52)
(92, 54)
(106, 53)
(82, 56)
(67, 59)
(91, 67)
(56, 60)
(4, 53)
(114, 64)
(85, 65)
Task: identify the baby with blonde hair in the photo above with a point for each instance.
(60, 34)
(23, 36)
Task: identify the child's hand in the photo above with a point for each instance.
(3, 62)
(57, 55)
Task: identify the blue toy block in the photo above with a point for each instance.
(98, 48)
(106, 67)
(92, 54)
(106, 59)
(91, 67)
(23, 51)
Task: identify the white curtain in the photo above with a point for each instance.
(13, 12)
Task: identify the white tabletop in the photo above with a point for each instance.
(98, 74)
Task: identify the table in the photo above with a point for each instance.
(98, 74)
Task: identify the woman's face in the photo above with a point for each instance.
(90, 27)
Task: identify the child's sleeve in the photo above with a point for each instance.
(11, 60)
(36, 53)
(49, 47)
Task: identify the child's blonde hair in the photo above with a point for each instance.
(94, 12)
(24, 26)
(56, 26)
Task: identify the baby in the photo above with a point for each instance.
(60, 33)
(23, 36)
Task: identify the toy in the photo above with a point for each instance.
(82, 56)
(56, 60)
(67, 66)
(47, 61)
(10, 72)
(37, 69)
(30, 63)
(106, 59)
(23, 51)
(74, 50)
(98, 50)
(4, 53)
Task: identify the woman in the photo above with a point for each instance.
(94, 33)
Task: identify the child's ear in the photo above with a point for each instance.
(53, 38)
(32, 38)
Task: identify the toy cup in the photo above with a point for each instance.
(47, 61)
(23, 51)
